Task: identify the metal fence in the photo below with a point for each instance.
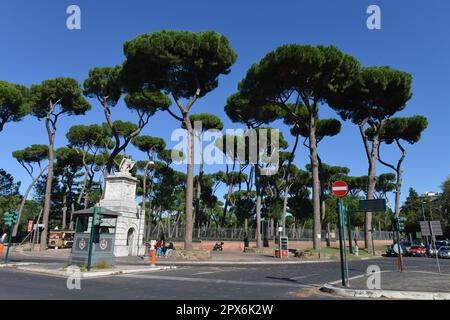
(238, 234)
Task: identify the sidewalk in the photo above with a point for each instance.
(417, 285)
(232, 258)
(215, 258)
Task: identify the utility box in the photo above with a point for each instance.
(283, 243)
(103, 237)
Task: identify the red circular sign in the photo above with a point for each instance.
(339, 189)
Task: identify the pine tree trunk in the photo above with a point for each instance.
(24, 200)
(371, 193)
(189, 184)
(48, 187)
(317, 229)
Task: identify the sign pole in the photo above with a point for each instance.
(341, 245)
(399, 249)
(9, 244)
(279, 245)
(91, 239)
(434, 245)
(373, 245)
(349, 230)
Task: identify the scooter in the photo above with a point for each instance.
(218, 246)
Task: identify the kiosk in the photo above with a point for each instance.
(104, 235)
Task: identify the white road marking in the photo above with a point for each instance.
(206, 272)
(303, 277)
(234, 282)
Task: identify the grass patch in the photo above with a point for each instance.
(102, 265)
(334, 252)
(83, 268)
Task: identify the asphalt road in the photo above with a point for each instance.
(262, 282)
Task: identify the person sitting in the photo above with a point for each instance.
(169, 249)
(159, 248)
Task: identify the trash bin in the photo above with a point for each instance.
(284, 253)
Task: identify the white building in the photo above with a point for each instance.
(120, 194)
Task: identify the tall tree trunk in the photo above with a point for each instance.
(399, 179)
(25, 198)
(144, 200)
(199, 182)
(259, 242)
(48, 187)
(189, 183)
(371, 192)
(85, 180)
(283, 215)
(372, 157)
(227, 202)
(317, 230)
(64, 218)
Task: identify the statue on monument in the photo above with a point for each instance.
(126, 165)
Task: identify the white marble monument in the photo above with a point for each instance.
(120, 193)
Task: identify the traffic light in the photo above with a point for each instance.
(401, 223)
(394, 222)
(398, 223)
(10, 218)
(98, 216)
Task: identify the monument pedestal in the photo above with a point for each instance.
(120, 193)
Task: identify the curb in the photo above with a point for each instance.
(391, 294)
(241, 262)
(16, 264)
(92, 274)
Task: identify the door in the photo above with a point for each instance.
(130, 241)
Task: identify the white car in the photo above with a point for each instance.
(444, 252)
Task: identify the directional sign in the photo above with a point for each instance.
(30, 225)
(375, 205)
(435, 227)
(339, 189)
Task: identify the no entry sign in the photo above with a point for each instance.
(339, 189)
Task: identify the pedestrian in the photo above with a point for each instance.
(169, 248)
(163, 243)
(355, 238)
(158, 248)
(246, 242)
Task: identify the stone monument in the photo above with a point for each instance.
(120, 193)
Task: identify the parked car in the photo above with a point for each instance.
(416, 251)
(60, 239)
(391, 250)
(433, 249)
(444, 252)
(407, 246)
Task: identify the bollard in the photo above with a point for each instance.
(356, 251)
(153, 257)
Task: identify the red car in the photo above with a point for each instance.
(417, 251)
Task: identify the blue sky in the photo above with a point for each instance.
(414, 38)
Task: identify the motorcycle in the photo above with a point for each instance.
(218, 246)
